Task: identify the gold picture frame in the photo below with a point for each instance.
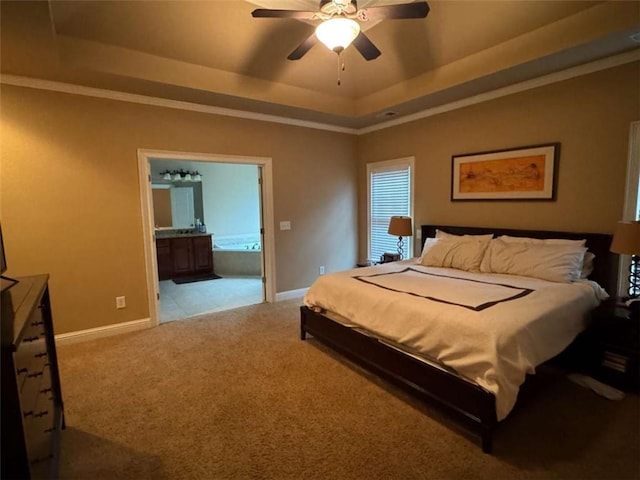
(523, 173)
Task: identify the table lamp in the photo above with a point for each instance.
(626, 241)
(400, 227)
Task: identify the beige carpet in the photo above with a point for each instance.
(237, 395)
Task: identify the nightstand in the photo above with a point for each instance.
(367, 263)
(389, 257)
(616, 338)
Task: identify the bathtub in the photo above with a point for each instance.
(237, 255)
(255, 246)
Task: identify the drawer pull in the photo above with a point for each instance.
(41, 354)
(49, 430)
(20, 371)
(39, 322)
(45, 390)
(41, 414)
(27, 414)
(31, 339)
(34, 375)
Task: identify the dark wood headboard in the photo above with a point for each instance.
(605, 265)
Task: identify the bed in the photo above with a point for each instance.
(497, 327)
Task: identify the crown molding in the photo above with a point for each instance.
(585, 69)
(39, 84)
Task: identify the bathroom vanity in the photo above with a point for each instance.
(184, 254)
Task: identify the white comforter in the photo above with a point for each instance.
(492, 329)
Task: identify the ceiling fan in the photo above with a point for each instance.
(339, 27)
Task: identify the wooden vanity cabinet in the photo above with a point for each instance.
(184, 256)
(182, 251)
(165, 263)
(202, 255)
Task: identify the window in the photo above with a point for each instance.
(390, 193)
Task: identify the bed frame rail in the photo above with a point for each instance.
(469, 402)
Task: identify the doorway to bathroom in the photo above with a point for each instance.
(209, 213)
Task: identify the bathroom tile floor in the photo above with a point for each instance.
(190, 299)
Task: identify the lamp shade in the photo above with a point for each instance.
(400, 227)
(626, 238)
(337, 33)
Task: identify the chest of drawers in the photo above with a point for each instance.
(32, 409)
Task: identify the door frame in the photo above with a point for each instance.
(148, 224)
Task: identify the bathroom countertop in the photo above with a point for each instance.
(178, 234)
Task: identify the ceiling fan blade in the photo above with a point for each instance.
(404, 10)
(268, 13)
(366, 47)
(303, 48)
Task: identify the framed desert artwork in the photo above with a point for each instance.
(524, 173)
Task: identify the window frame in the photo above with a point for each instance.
(390, 165)
(631, 210)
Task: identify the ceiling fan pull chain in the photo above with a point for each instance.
(340, 68)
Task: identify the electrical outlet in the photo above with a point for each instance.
(121, 302)
(322, 270)
(285, 225)
(418, 234)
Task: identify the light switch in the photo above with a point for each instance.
(286, 225)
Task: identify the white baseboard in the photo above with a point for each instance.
(291, 294)
(100, 332)
(134, 325)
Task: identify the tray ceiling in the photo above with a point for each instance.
(215, 53)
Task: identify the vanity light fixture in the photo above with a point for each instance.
(181, 176)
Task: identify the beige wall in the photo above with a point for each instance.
(588, 115)
(70, 200)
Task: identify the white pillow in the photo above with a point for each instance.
(543, 241)
(585, 269)
(587, 265)
(556, 263)
(463, 253)
(428, 243)
(441, 234)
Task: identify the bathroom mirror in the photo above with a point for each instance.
(174, 206)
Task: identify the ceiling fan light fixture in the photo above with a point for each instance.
(337, 33)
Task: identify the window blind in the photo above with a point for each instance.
(390, 195)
